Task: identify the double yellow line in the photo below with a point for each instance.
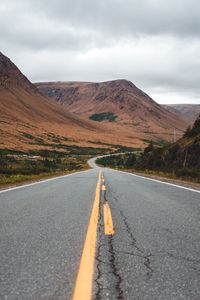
(84, 280)
(108, 223)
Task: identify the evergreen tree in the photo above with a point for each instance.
(196, 127)
(187, 132)
(149, 148)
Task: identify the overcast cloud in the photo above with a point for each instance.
(153, 43)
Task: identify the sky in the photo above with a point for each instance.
(153, 43)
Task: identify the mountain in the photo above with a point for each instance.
(119, 101)
(29, 120)
(189, 112)
(126, 115)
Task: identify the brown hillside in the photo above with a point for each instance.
(26, 115)
(134, 109)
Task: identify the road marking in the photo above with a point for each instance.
(41, 181)
(108, 223)
(83, 285)
(159, 181)
(103, 187)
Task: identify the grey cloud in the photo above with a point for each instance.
(89, 23)
(36, 33)
(122, 17)
(154, 43)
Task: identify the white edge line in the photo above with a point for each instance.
(159, 181)
(41, 181)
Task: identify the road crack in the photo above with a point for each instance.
(108, 280)
(115, 269)
(134, 244)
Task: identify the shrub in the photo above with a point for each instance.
(105, 116)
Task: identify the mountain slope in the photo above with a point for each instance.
(187, 111)
(119, 100)
(26, 115)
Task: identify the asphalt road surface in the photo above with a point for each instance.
(153, 253)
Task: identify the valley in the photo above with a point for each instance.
(55, 127)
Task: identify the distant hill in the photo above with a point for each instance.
(121, 103)
(189, 112)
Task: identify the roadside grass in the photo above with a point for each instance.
(171, 175)
(6, 180)
(19, 166)
(129, 162)
(11, 179)
(156, 174)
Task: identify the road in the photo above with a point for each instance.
(151, 249)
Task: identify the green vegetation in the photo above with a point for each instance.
(156, 143)
(177, 160)
(124, 149)
(4, 152)
(105, 116)
(71, 150)
(56, 138)
(18, 166)
(48, 139)
(123, 161)
(28, 135)
(115, 148)
(57, 143)
(21, 167)
(195, 130)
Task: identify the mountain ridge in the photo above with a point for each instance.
(189, 112)
(26, 115)
(132, 106)
(11, 76)
(24, 112)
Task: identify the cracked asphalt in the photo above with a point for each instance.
(154, 253)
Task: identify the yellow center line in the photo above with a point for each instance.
(103, 187)
(108, 223)
(83, 285)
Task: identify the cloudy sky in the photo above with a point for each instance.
(153, 43)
